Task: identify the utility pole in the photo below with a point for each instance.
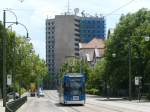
(14, 64)
(4, 61)
(130, 83)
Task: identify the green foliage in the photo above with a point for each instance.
(92, 91)
(3, 34)
(148, 96)
(28, 66)
(74, 65)
(131, 27)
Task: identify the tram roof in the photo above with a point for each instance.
(74, 75)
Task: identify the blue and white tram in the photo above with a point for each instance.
(72, 89)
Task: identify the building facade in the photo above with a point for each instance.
(91, 27)
(92, 51)
(62, 40)
(50, 45)
(66, 38)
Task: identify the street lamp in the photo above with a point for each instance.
(18, 23)
(4, 51)
(146, 38)
(107, 83)
(113, 55)
(129, 62)
(14, 50)
(4, 55)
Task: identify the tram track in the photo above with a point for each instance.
(90, 106)
(68, 108)
(85, 108)
(112, 108)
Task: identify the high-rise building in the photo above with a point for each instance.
(50, 45)
(62, 40)
(91, 27)
(66, 38)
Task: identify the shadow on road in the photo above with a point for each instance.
(112, 99)
(94, 96)
(66, 105)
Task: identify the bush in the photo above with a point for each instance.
(23, 90)
(92, 91)
(148, 96)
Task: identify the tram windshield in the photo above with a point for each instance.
(76, 86)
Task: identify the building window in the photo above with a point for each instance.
(76, 39)
(76, 44)
(76, 54)
(53, 28)
(77, 30)
(76, 34)
(76, 49)
(77, 20)
(77, 25)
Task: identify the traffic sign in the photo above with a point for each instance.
(9, 79)
(137, 80)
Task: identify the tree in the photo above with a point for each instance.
(3, 34)
(131, 27)
(28, 66)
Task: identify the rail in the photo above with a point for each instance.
(14, 105)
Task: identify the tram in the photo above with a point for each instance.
(72, 89)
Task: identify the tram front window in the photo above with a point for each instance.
(75, 87)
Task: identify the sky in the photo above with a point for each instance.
(33, 13)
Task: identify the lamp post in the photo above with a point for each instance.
(5, 51)
(107, 84)
(4, 61)
(14, 51)
(4, 56)
(129, 62)
(146, 38)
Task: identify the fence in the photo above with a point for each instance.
(14, 105)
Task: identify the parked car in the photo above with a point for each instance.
(40, 92)
(12, 95)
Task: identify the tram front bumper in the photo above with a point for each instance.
(74, 102)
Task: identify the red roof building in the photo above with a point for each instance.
(93, 50)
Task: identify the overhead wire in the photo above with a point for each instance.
(105, 15)
(115, 10)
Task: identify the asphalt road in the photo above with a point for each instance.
(50, 103)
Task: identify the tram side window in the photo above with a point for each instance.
(66, 87)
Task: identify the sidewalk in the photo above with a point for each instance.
(120, 104)
(2, 109)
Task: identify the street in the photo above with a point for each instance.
(50, 103)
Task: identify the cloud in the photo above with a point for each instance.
(33, 13)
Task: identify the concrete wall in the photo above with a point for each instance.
(64, 38)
